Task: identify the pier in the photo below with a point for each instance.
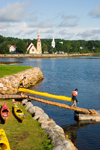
(77, 109)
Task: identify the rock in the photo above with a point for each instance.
(28, 105)
(39, 109)
(59, 129)
(31, 110)
(38, 114)
(51, 123)
(13, 100)
(44, 126)
(42, 119)
(1, 85)
(59, 147)
(24, 101)
(67, 145)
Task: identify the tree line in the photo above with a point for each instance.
(61, 46)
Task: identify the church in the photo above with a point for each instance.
(31, 49)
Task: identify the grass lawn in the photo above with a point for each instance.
(27, 135)
(12, 69)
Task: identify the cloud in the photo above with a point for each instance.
(95, 12)
(68, 21)
(13, 12)
(43, 24)
(89, 33)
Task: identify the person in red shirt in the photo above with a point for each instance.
(74, 98)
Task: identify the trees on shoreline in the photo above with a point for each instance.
(61, 46)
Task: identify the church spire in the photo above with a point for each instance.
(53, 43)
(39, 44)
(38, 40)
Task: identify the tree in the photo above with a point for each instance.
(21, 47)
(4, 48)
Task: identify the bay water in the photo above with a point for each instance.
(62, 76)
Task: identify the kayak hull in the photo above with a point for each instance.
(4, 144)
(5, 112)
(64, 98)
(19, 113)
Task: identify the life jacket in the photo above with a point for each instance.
(21, 84)
(74, 93)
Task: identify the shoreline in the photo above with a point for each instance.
(46, 55)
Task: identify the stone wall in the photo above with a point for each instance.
(9, 84)
(54, 131)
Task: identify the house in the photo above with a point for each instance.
(12, 48)
(31, 49)
(81, 47)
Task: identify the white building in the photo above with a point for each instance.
(12, 48)
(53, 43)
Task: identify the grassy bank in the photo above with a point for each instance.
(27, 135)
(12, 69)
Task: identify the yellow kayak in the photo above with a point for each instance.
(4, 144)
(64, 98)
(19, 113)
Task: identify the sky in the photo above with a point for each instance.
(64, 19)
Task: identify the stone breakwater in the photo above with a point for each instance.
(54, 131)
(44, 55)
(10, 84)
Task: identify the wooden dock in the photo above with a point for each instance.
(78, 109)
(13, 97)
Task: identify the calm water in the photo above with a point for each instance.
(62, 76)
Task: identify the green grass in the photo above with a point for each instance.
(27, 135)
(12, 69)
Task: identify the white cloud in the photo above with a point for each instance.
(95, 12)
(43, 24)
(89, 33)
(13, 12)
(68, 21)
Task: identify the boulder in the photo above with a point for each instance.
(24, 101)
(31, 110)
(59, 147)
(28, 105)
(59, 129)
(51, 123)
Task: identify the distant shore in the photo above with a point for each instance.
(46, 55)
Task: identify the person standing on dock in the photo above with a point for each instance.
(74, 98)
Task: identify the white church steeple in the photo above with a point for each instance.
(53, 43)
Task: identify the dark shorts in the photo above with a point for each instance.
(74, 98)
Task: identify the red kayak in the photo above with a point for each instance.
(5, 112)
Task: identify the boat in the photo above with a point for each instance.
(5, 112)
(4, 144)
(19, 113)
(64, 98)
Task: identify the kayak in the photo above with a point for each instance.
(64, 98)
(5, 112)
(19, 113)
(4, 144)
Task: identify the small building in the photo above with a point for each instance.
(61, 42)
(12, 48)
(31, 49)
(53, 43)
(81, 47)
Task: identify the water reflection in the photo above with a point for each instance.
(71, 130)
